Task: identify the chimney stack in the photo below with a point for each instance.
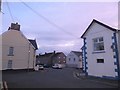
(15, 26)
(54, 52)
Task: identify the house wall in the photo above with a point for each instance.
(44, 60)
(22, 56)
(60, 59)
(71, 62)
(119, 50)
(0, 52)
(100, 69)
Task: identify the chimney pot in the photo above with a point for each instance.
(15, 26)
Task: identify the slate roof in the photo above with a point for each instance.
(58, 53)
(51, 54)
(33, 42)
(95, 21)
(77, 53)
(47, 55)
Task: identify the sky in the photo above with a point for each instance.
(58, 25)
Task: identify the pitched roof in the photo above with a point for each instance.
(33, 42)
(95, 21)
(52, 54)
(47, 55)
(58, 53)
(77, 53)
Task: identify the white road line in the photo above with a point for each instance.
(74, 75)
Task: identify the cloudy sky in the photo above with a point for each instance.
(57, 25)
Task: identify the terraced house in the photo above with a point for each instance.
(17, 51)
(101, 50)
(49, 59)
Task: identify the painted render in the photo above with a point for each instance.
(24, 52)
(70, 62)
(109, 68)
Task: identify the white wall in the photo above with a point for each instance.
(118, 35)
(100, 69)
(73, 63)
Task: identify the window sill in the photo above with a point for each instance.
(95, 52)
(10, 55)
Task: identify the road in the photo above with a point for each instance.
(51, 78)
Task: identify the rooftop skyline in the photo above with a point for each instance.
(62, 23)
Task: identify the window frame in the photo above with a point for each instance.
(98, 44)
(100, 61)
(11, 51)
(9, 64)
(74, 59)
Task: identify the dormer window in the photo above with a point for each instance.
(98, 44)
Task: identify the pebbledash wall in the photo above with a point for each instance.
(110, 54)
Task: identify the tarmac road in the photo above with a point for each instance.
(53, 78)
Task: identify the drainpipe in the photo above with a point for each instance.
(28, 57)
(34, 60)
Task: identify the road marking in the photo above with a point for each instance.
(5, 87)
(75, 75)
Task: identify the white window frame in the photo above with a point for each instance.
(11, 51)
(10, 62)
(97, 43)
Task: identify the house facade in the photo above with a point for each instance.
(45, 59)
(74, 59)
(59, 58)
(49, 59)
(17, 51)
(101, 50)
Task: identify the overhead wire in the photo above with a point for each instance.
(49, 21)
(10, 11)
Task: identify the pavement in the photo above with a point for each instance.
(80, 75)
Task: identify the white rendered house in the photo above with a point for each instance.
(74, 59)
(101, 51)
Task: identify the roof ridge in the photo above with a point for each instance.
(105, 25)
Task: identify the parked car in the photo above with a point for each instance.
(46, 65)
(57, 66)
(41, 67)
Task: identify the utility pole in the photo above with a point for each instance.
(0, 5)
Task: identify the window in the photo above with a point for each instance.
(11, 49)
(69, 59)
(63, 61)
(74, 59)
(9, 64)
(98, 44)
(100, 60)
